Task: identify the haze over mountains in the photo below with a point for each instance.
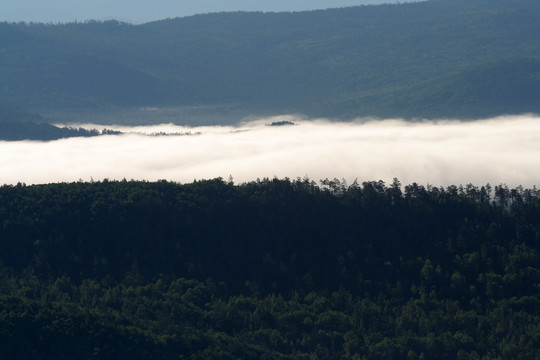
(434, 59)
(142, 11)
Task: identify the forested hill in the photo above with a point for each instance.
(272, 269)
(435, 58)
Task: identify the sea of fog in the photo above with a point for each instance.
(499, 150)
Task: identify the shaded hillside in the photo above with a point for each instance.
(21, 130)
(366, 60)
(13, 113)
(17, 124)
(506, 87)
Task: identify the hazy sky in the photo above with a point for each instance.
(139, 11)
(500, 150)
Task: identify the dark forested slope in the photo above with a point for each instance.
(367, 60)
(17, 124)
(267, 270)
(10, 113)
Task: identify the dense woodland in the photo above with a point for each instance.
(270, 269)
(437, 58)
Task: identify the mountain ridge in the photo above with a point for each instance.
(345, 63)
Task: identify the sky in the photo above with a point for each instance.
(141, 11)
(503, 150)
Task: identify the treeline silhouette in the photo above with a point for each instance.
(16, 130)
(269, 269)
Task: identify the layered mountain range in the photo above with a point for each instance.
(432, 59)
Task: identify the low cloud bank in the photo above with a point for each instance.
(499, 150)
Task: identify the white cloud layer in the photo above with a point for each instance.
(441, 153)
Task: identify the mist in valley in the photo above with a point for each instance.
(443, 152)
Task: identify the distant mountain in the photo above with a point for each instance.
(18, 124)
(26, 130)
(13, 113)
(508, 86)
(429, 59)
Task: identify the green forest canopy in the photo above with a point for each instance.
(271, 269)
